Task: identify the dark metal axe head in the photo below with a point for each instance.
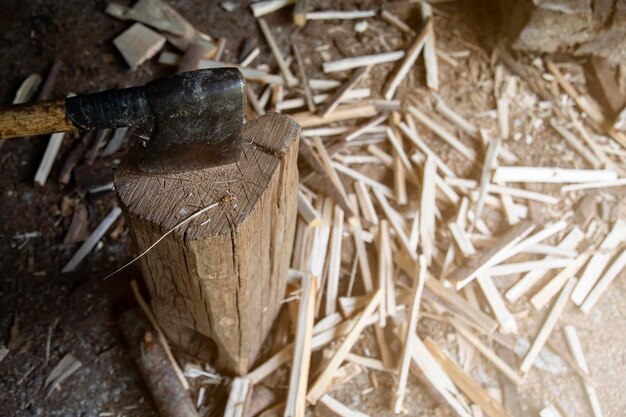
(195, 119)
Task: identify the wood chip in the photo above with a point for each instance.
(138, 44)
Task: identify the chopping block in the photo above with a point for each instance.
(216, 281)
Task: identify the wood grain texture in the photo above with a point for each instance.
(223, 274)
(35, 119)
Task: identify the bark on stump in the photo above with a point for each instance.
(221, 276)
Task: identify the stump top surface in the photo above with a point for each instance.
(167, 200)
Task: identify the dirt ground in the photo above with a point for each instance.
(77, 311)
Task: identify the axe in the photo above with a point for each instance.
(194, 120)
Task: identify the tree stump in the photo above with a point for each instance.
(219, 278)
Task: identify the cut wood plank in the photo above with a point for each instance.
(239, 397)
(466, 384)
(290, 80)
(430, 52)
(488, 257)
(340, 15)
(397, 226)
(362, 61)
(332, 103)
(300, 12)
(302, 70)
(548, 325)
(491, 160)
(92, 240)
(427, 369)
(319, 386)
(307, 211)
(407, 348)
(599, 261)
(507, 321)
(551, 175)
(502, 366)
(334, 262)
(575, 347)
(296, 395)
(442, 133)
(54, 145)
(409, 60)
(603, 283)
(570, 241)
(338, 408)
(421, 145)
(138, 44)
(355, 175)
(262, 8)
(518, 267)
(343, 112)
(575, 143)
(365, 202)
(427, 211)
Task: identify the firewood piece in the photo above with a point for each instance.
(592, 185)
(334, 262)
(575, 143)
(296, 396)
(430, 53)
(575, 347)
(74, 157)
(428, 370)
(464, 274)
(138, 44)
(453, 117)
(27, 89)
(427, 211)
(396, 22)
(115, 143)
(547, 326)
(407, 348)
(304, 79)
(254, 101)
(367, 127)
(308, 212)
(300, 13)
(426, 150)
(284, 68)
(341, 92)
(294, 103)
(502, 366)
(262, 8)
(381, 188)
(344, 112)
(78, 230)
(397, 226)
(603, 283)
(339, 409)
(362, 61)
(551, 175)
(461, 239)
(54, 144)
(571, 241)
(365, 203)
(599, 261)
(491, 160)
(319, 386)
(507, 321)
(92, 240)
(236, 241)
(409, 59)
(467, 385)
(96, 144)
(502, 108)
(169, 395)
(340, 15)
(442, 133)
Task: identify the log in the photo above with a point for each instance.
(169, 395)
(220, 277)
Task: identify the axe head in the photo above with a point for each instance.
(197, 121)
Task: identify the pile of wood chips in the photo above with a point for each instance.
(420, 247)
(390, 234)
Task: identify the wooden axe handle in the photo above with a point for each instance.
(35, 119)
